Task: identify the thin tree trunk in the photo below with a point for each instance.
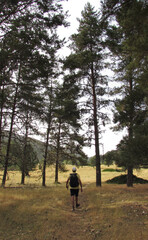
(130, 135)
(24, 155)
(96, 132)
(47, 141)
(23, 177)
(130, 177)
(45, 157)
(46, 149)
(1, 112)
(1, 118)
(10, 131)
(58, 150)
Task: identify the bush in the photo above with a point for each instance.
(122, 179)
(112, 170)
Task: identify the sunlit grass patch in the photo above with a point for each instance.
(28, 211)
(87, 174)
(117, 209)
(45, 213)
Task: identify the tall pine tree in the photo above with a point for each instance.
(127, 40)
(87, 61)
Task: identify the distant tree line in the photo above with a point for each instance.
(69, 95)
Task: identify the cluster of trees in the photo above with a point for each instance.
(120, 31)
(30, 93)
(70, 95)
(127, 41)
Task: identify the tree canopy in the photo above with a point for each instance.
(70, 97)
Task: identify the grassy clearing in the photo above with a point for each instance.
(45, 213)
(112, 212)
(88, 175)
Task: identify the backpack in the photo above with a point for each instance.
(74, 182)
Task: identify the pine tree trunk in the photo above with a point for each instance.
(23, 177)
(24, 155)
(10, 131)
(23, 166)
(130, 177)
(1, 118)
(47, 142)
(57, 167)
(1, 113)
(96, 132)
(45, 157)
(58, 150)
(130, 136)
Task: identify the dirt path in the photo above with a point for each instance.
(79, 226)
(107, 215)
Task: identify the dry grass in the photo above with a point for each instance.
(88, 175)
(112, 212)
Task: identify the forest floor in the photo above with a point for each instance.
(110, 212)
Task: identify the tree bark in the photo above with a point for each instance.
(47, 140)
(1, 118)
(24, 155)
(45, 157)
(46, 150)
(58, 150)
(130, 135)
(130, 177)
(23, 177)
(96, 132)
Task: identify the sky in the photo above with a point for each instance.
(74, 7)
(109, 139)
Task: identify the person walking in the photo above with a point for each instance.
(74, 182)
